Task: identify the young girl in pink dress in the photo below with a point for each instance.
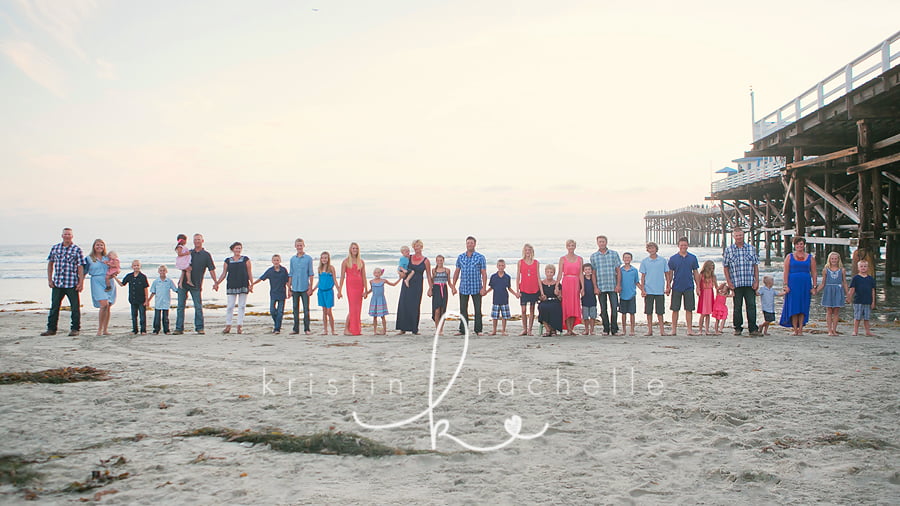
(720, 309)
(707, 295)
(113, 268)
(183, 260)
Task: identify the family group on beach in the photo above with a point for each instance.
(566, 296)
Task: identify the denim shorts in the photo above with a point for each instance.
(588, 312)
(628, 306)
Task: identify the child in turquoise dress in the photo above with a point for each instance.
(378, 304)
(325, 286)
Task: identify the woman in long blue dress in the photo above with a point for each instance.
(101, 298)
(410, 302)
(799, 285)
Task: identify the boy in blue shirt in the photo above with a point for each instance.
(862, 292)
(501, 285)
(279, 284)
(162, 288)
(655, 286)
(630, 283)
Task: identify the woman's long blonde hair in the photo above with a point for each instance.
(351, 260)
(93, 255)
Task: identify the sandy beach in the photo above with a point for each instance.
(712, 420)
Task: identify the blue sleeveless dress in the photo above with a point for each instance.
(326, 289)
(800, 282)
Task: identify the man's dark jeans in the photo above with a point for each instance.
(744, 294)
(298, 296)
(464, 310)
(56, 297)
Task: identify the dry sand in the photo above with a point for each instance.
(730, 420)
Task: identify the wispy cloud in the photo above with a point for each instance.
(60, 20)
(37, 65)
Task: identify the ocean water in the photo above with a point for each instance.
(23, 268)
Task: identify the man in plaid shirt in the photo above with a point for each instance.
(741, 264)
(605, 263)
(65, 275)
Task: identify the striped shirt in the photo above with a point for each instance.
(66, 261)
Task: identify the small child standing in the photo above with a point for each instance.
(862, 292)
(834, 285)
(113, 268)
(501, 284)
(378, 304)
(278, 288)
(162, 288)
(706, 299)
(138, 286)
(439, 293)
(589, 299)
(183, 260)
(325, 286)
(720, 308)
(631, 283)
(403, 264)
(767, 301)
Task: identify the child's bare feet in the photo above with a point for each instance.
(649, 333)
(494, 333)
(870, 334)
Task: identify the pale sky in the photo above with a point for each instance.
(135, 121)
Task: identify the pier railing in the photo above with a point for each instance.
(881, 58)
(687, 209)
(745, 177)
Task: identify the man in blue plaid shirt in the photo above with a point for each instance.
(471, 266)
(65, 275)
(741, 264)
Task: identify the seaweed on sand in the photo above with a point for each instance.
(61, 375)
(14, 470)
(326, 442)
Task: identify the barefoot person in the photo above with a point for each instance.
(471, 273)
(102, 298)
(301, 283)
(607, 271)
(201, 261)
(353, 271)
(65, 276)
(239, 271)
(684, 276)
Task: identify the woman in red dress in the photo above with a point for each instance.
(569, 275)
(353, 269)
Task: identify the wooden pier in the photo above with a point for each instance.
(839, 181)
